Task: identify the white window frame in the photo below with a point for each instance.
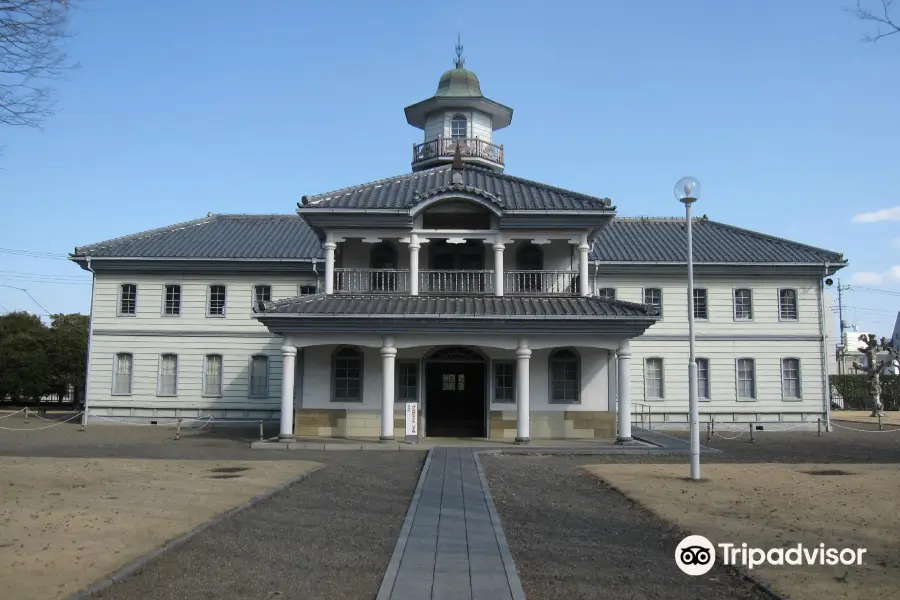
(600, 294)
(115, 374)
(457, 117)
(662, 378)
(414, 363)
(205, 389)
(700, 395)
(165, 293)
(705, 303)
(550, 360)
(253, 299)
(159, 376)
(656, 289)
(120, 297)
(314, 286)
(734, 302)
(737, 380)
(209, 290)
(796, 316)
(799, 396)
(250, 391)
(361, 357)
(494, 365)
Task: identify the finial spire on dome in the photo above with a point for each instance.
(460, 61)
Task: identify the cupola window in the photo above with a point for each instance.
(459, 127)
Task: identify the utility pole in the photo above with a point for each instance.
(843, 350)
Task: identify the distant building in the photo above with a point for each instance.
(848, 352)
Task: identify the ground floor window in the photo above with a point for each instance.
(347, 367)
(564, 376)
(168, 375)
(504, 381)
(746, 379)
(259, 376)
(653, 379)
(407, 381)
(212, 375)
(703, 378)
(790, 378)
(122, 374)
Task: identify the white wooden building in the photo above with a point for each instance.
(504, 307)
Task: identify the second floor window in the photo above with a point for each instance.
(172, 300)
(127, 299)
(653, 297)
(607, 294)
(216, 306)
(262, 293)
(787, 305)
(701, 308)
(743, 305)
(307, 290)
(459, 127)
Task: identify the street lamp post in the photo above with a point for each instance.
(687, 190)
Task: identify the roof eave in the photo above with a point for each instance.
(416, 114)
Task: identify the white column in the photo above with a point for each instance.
(330, 247)
(583, 283)
(498, 268)
(523, 414)
(388, 356)
(624, 395)
(289, 362)
(414, 265)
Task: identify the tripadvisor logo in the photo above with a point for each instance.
(695, 555)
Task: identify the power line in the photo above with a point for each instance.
(52, 275)
(46, 312)
(33, 254)
(871, 290)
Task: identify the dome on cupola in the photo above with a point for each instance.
(459, 83)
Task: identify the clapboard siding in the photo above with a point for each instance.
(481, 126)
(723, 386)
(191, 351)
(436, 126)
(194, 290)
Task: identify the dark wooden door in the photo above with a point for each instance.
(454, 400)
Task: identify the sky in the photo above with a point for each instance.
(180, 108)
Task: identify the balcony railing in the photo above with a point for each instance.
(446, 147)
(455, 283)
(541, 283)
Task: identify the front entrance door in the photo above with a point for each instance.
(454, 400)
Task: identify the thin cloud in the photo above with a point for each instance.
(872, 278)
(886, 214)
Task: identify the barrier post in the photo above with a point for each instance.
(879, 422)
(26, 415)
(752, 440)
(260, 430)
(708, 431)
(178, 430)
(819, 426)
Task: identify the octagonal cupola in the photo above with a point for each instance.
(458, 115)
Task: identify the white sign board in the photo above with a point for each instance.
(412, 422)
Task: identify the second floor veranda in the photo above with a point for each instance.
(457, 266)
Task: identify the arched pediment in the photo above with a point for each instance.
(457, 192)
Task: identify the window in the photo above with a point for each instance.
(703, 378)
(307, 290)
(383, 264)
(529, 257)
(653, 379)
(127, 299)
(564, 376)
(172, 300)
(701, 308)
(608, 294)
(262, 293)
(746, 379)
(653, 297)
(743, 305)
(259, 376)
(216, 306)
(504, 381)
(787, 304)
(407, 381)
(459, 127)
(790, 378)
(122, 374)
(212, 375)
(347, 367)
(168, 375)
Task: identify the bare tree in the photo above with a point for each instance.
(874, 367)
(885, 23)
(32, 51)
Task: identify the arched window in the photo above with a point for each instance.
(346, 374)
(459, 127)
(529, 258)
(383, 261)
(565, 376)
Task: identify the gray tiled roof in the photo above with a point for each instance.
(484, 307)
(290, 237)
(663, 240)
(404, 191)
(216, 237)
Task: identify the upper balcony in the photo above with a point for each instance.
(455, 282)
(472, 150)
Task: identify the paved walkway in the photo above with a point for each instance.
(452, 545)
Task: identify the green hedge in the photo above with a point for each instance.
(855, 391)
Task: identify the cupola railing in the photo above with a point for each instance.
(468, 147)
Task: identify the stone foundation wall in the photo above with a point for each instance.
(340, 422)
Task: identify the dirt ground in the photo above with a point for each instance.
(777, 506)
(69, 522)
(891, 417)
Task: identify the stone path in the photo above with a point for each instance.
(452, 545)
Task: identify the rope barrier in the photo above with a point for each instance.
(866, 430)
(13, 414)
(40, 428)
(718, 435)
